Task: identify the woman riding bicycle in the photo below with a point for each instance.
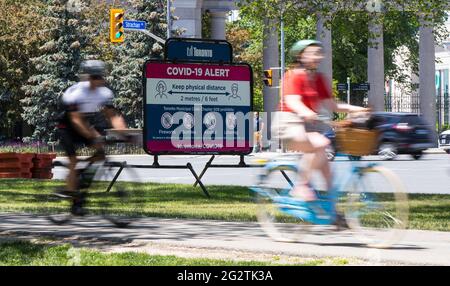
(306, 95)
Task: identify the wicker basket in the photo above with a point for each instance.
(356, 141)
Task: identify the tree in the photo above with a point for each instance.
(350, 30)
(56, 67)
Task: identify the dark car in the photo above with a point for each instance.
(400, 133)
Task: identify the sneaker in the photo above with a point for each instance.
(340, 223)
(77, 205)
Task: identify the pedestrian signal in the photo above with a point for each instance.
(116, 25)
(268, 77)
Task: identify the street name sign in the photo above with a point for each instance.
(353, 86)
(360, 86)
(134, 25)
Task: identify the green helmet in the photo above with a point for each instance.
(301, 45)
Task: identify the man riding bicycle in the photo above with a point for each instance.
(86, 105)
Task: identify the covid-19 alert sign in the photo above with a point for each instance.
(197, 108)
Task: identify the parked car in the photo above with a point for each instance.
(444, 141)
(400, 133)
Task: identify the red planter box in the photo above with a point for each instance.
(42, 175)
(42, 166)
(11, 175)
(26, 165)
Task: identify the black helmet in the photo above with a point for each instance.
(93, 68)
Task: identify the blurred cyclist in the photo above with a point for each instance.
(258, 127)
(85, 107)
(306, 95)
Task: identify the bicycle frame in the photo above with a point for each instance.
(321, 211)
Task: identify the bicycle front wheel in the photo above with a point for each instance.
(117, 194)
(376, 207)
(278, 222)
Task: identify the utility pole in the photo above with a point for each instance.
(348, 90)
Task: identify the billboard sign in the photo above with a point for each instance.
(197, 108)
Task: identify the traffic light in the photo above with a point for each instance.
(268, 77)
(116, 25)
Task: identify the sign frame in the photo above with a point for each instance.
(197, 41)
(185, 152)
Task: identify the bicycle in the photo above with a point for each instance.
(118, 202)
(376, 220)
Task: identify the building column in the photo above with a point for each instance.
(427, 88)
(218, 24)
(324, 36)
(189, 13)
(375, 66)
(271, 59)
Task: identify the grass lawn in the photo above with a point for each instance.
(24, 253)
(229, 203)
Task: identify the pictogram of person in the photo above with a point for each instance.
(161, 87)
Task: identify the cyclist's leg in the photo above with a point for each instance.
(68, 142)
(320, 161)
(314, 158)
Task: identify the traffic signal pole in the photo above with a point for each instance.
(282, 61)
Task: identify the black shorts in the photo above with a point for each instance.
(70, 140)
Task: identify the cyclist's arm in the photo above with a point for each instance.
(116, 120)
(81, 126)
(343, 107)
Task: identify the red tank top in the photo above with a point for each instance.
(311, 92)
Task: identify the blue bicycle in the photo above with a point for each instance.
(370, 198)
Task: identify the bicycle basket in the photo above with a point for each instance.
(356, 141)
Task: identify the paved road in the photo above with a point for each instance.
(416, 248)
(428, 175)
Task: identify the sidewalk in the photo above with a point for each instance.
(417, 247)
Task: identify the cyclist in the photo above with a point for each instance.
(85, 106)
(306, 95)
(258, 127)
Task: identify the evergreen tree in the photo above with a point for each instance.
(56, 67)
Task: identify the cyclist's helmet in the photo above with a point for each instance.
(301, 45)
(93, 68)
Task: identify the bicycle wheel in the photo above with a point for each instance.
(122, 203)
(279, 222)
(376, 207)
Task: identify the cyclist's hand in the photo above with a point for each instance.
(98, 142)
(310, 116)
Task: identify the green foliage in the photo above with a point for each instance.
(19, 42)
(25, 253)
